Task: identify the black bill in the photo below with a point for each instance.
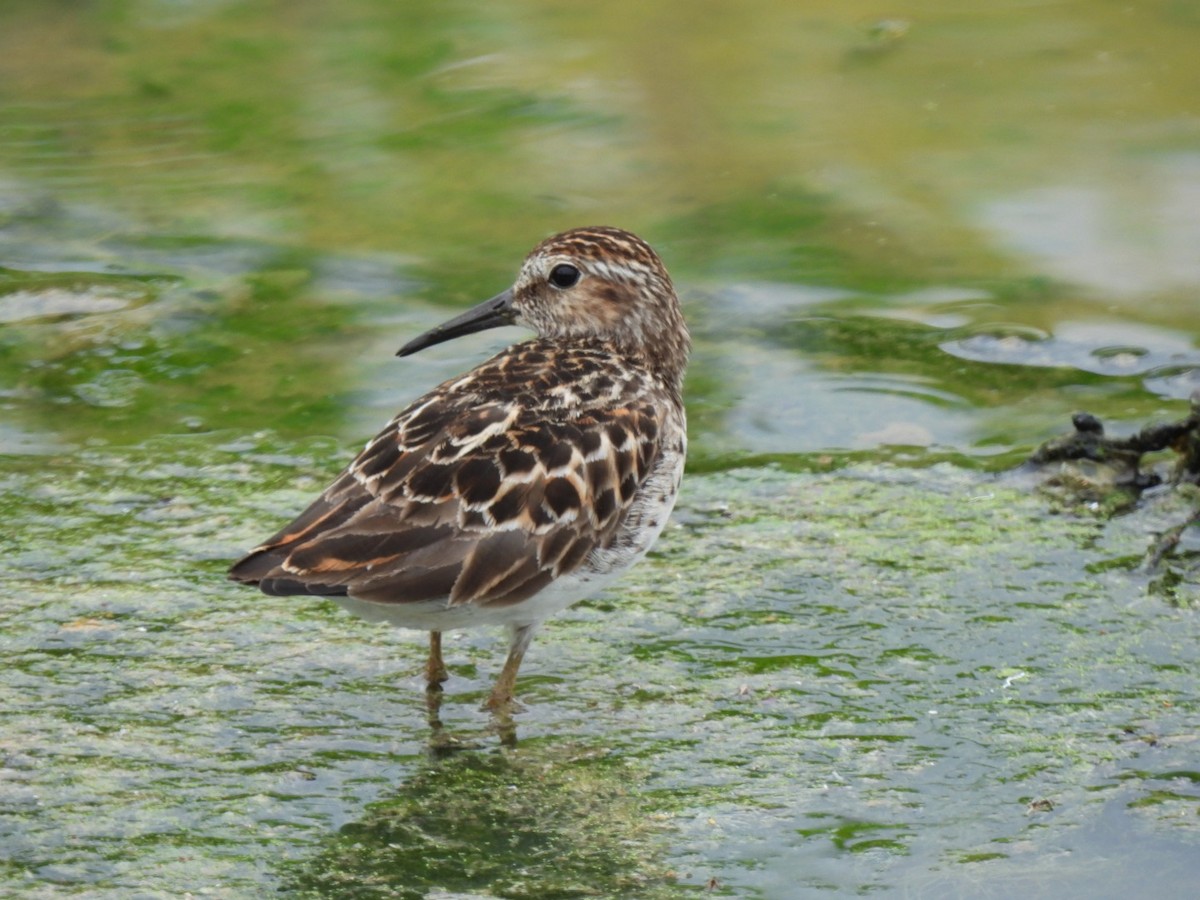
(488, 314)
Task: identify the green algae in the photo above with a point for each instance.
(857, 680)
(855, 664)
(558, 823)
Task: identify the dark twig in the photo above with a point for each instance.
(1118, 472)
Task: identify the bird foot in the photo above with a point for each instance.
(502, 705)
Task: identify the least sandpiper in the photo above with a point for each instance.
(509, 493)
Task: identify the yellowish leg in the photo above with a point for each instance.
(435, 668)
(502, 694)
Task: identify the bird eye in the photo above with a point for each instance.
(564, 275)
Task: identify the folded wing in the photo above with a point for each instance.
(485, 506)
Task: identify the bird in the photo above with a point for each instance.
(511, 492)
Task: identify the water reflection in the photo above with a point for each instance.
(555, 819)
(1135, 238)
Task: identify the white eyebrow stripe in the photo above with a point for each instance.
(619, 272)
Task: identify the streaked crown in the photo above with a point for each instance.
(606, 284)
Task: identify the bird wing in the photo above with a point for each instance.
(479, 502)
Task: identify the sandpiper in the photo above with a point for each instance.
(509, 493)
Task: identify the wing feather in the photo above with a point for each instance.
(470, 496)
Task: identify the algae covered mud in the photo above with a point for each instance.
(862, 659)
(908, 680)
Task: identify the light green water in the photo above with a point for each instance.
(909, 249)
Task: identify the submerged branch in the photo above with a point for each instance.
(1109, 474)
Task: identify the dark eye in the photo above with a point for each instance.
(564, 275)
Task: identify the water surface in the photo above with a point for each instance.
(909, 249)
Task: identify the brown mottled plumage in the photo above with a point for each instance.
(509, 493)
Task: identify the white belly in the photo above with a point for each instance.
(439, 615)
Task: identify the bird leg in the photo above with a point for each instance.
(435, 669)
(502, 694)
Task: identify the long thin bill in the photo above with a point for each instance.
(488, 314)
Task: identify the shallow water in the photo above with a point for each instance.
(858, 662)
